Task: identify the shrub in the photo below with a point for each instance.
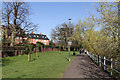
(48, 46)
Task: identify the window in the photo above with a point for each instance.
(34, 35)
(42, 36)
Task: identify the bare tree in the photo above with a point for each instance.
(15, 17)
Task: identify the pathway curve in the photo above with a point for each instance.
(83, 67)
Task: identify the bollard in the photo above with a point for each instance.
(111, 67)
(104, 63)
(100, 61)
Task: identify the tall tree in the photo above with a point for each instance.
(15, 15)
(110, 20)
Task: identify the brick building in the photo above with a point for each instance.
(8, 32)
(20, 36)
(38, 38)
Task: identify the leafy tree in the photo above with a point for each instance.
(104, 42)
(110, 26)
(61, 34)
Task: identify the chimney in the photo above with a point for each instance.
(40, 33)
(32, 32)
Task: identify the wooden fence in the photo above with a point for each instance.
(107, 63)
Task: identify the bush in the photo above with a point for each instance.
(48, 46)
(40, 43)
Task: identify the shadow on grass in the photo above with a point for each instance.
(66, 58)
(33, 59)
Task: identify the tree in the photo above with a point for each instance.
(51, 43)
(37, 50)
(61, 34)
(4, 34)
(15, 15)
(109, 20)
(104, 42)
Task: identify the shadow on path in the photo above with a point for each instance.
(83, 67)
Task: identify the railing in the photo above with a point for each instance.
(97, 59)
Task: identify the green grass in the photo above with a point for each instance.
(47, 65)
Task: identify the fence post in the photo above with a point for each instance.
(111, 68)
(104, 63)
(91, 55)
(87, 52)
(100, 61)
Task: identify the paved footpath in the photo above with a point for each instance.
(83, 67)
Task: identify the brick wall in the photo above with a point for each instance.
(49, 49)
(15, 53)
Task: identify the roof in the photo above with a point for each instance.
(38, 36)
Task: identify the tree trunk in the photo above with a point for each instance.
(29, 57)
(36, 54)
(13, 37)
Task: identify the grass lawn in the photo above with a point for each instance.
(47, 65)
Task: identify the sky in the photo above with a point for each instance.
(49, 14)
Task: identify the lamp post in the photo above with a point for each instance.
(69, 43)
(69, 20)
